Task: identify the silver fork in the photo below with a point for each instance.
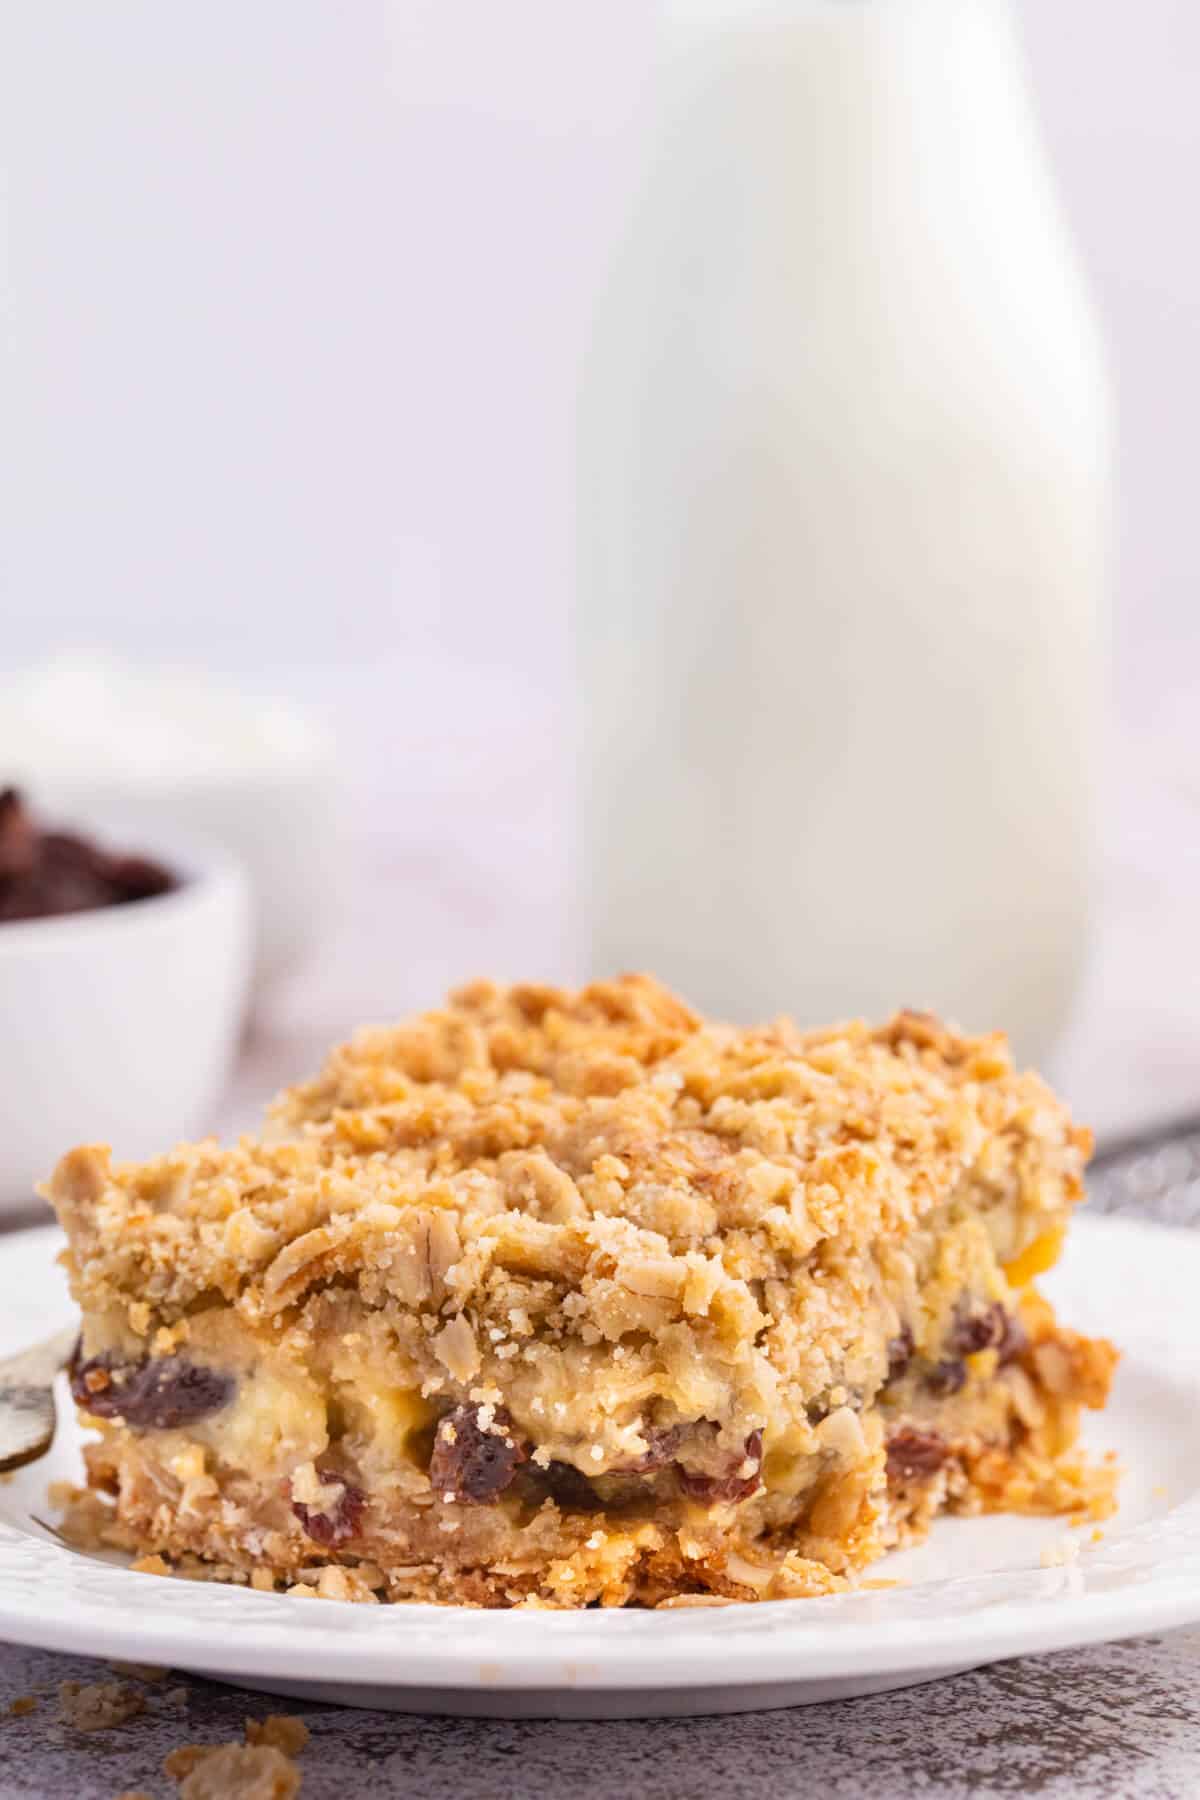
(27, 1415)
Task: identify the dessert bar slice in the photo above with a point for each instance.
(556, 1298)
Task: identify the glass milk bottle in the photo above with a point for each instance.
(842, 509)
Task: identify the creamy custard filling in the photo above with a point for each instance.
(325, 1425)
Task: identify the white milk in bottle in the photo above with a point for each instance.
(842, 513)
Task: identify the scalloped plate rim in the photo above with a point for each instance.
(1146, 1577)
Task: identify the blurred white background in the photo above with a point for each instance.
(294, 295)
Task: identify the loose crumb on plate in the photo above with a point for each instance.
(151, 1565)
(1060, 1553)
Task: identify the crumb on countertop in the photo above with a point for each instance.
(97, 1705)
(280, 1730)
(260, 1769)
(242, 1772)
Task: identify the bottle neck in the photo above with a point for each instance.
(921, 41)
(898, 87)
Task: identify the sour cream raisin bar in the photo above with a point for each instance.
(554, 1298)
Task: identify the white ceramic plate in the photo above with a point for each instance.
(976, 1592)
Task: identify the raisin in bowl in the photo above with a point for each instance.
(123, 972)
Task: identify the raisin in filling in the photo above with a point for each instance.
(337, 1524)
(915, 1455)
(475, 1454)
(569, 1488)
(947, 1377)
(972, 1329)
(733, 1478)
(900, 1353)
(993, 1328)
(476, 1461)
(156, 1394)
(742, 1478)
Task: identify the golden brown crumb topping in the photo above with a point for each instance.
(611, 1136)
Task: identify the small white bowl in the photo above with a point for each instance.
(282, 826)
(119, 1025)
(177, 749)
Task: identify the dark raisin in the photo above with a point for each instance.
(68, 876)
(666, 1443)
(824, 1404)
(662, 1446)
(911, 1454)
(569, 1488)
(1015, 1340)
(137, 878)
(973, 1331)
(43, 873)
(470, 1462)
(736, 1485)
(340, 1523)
(900, 1353)
(947, 1377)
(18, 839)
(159, 1394)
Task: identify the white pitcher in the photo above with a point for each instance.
(843, 509)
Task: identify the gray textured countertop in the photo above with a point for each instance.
(1117, 1723)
